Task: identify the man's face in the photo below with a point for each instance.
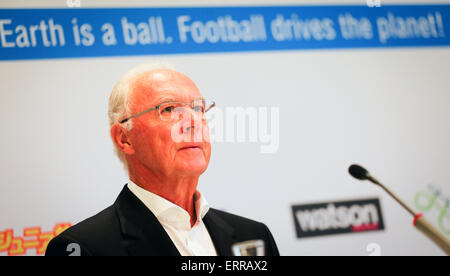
(178, 147)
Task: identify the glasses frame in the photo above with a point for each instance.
(157, 107)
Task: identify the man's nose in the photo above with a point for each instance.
(192, 121)
(190, 128)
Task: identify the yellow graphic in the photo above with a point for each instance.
(33, 238)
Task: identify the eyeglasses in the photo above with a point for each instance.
(171, 111)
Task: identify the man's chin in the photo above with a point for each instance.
(191, 167)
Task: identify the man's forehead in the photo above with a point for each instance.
(163, 83)
(160, 78)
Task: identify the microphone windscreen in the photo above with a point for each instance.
(358, 172)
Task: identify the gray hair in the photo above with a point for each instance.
(118, 107)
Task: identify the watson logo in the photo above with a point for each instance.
(337, 217)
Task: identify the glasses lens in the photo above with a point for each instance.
(170, 111)
(175, 111)
(199, 106)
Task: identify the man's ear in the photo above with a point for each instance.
(120, 138)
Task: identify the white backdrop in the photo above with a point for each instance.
(387, 109)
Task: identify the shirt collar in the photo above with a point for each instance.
(165, 210)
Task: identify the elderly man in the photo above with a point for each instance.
(160, 133)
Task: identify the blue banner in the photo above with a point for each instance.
(80, 32)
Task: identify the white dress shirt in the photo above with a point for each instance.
(176, 221)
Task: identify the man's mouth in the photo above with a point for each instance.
(191, 146)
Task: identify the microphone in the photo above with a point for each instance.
(420, 222)
(358, 172)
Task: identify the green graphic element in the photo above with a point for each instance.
(427, 200)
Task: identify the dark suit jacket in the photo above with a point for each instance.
(128, 227)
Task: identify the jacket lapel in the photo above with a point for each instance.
(143, 235)
(222, 234)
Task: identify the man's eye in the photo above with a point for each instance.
(198, 108)
(168, 109)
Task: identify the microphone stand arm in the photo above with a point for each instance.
(420, 222)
